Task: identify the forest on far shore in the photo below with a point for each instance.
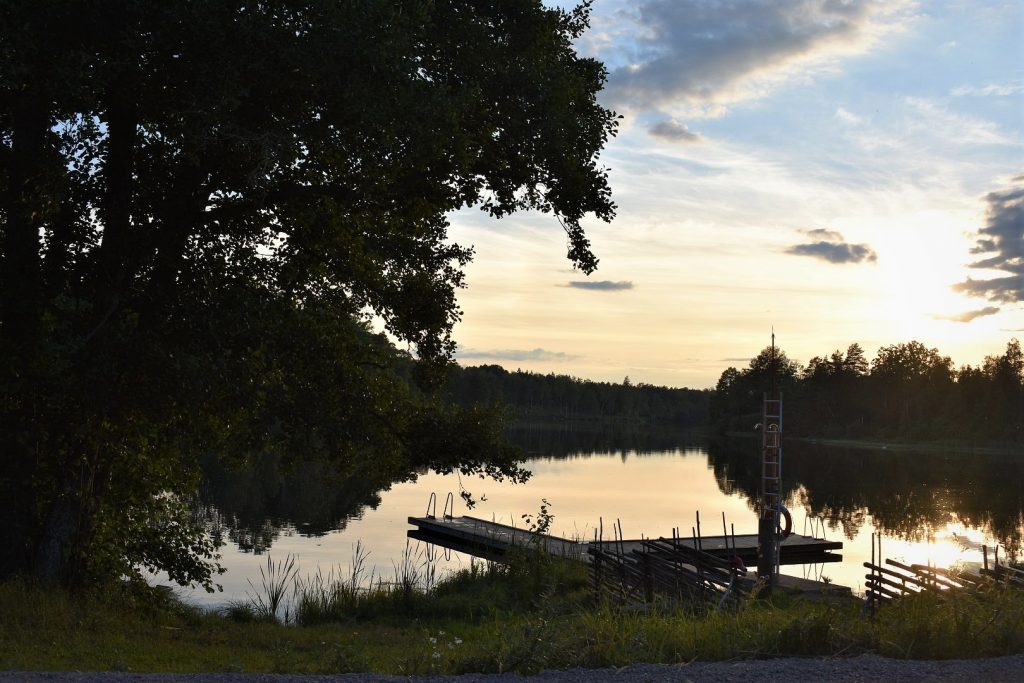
(907, 392)
(529, 395)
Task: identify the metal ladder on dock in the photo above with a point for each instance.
(771, 470)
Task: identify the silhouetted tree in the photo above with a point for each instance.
(908, 391)
(203, 203)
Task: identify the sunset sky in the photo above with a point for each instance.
(842, 171)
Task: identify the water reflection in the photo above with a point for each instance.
(932, 507)
(252, 507)
(584, 439)
(904, 494)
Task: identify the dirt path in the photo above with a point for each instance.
(864, 668)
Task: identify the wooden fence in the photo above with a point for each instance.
(676, 569)
(890, 580)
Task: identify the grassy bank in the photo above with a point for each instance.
(488, 619)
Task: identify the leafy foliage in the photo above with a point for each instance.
(908, 391)
(204, 205)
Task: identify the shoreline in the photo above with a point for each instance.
(901, 446)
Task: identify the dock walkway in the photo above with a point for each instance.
(491, 540)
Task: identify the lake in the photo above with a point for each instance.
(937, 508)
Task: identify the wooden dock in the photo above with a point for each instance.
(491, 540)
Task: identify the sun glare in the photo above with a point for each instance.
(917, 268)
(954, 545)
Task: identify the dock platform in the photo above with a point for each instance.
(491, 540)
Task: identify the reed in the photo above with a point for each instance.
(339, 596)
(268, 600)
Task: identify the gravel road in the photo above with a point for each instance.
(864, 668)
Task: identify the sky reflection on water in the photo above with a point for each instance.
(931, 508)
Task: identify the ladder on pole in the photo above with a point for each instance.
(771, 472)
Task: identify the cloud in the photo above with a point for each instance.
(848, 117)
(602, 285)
(1002, 239)
(830, 246)
(934, 118)
(824, 234)
(988, 90)
(708, 54)
(674, 131)
(514, 354)
(968, 316)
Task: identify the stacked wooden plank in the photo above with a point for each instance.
(1007, 575)
(665, 568)
(894, 580)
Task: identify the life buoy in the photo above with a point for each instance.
(787, 529)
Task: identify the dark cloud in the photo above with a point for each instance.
(602, 285)
(1002, 239)
(515, 354)
(831, 247)
(704, 52)
(674, 131)
(968, 316)
(734, 360)
(823, 234)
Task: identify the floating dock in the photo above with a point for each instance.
(491, 540)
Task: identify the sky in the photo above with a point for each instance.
(837, 171)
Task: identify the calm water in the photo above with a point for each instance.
(934, 508)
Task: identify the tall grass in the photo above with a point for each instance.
(340, 596)
(276, 582)
(478, 619)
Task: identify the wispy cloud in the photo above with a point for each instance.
(673, 131)
(988, 90)
(691, 52)
(1002, 238)
(602, 285)
(935, 118)
(830, 246)
(848, 117)
(514, 354)
(968, 316)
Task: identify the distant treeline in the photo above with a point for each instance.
(907, 391)
(532, 395)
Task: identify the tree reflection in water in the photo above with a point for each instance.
(909, 495)
(252, 506)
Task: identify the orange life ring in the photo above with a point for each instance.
(786, 530)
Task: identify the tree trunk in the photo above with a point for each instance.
(24, 205)
(55, 548)
(115, 251)
(20, 303)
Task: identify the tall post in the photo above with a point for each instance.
(771, 479)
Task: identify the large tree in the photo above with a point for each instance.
(203, 204)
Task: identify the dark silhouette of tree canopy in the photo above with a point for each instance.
(908, 391)
(204, 203)
(529, 395)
